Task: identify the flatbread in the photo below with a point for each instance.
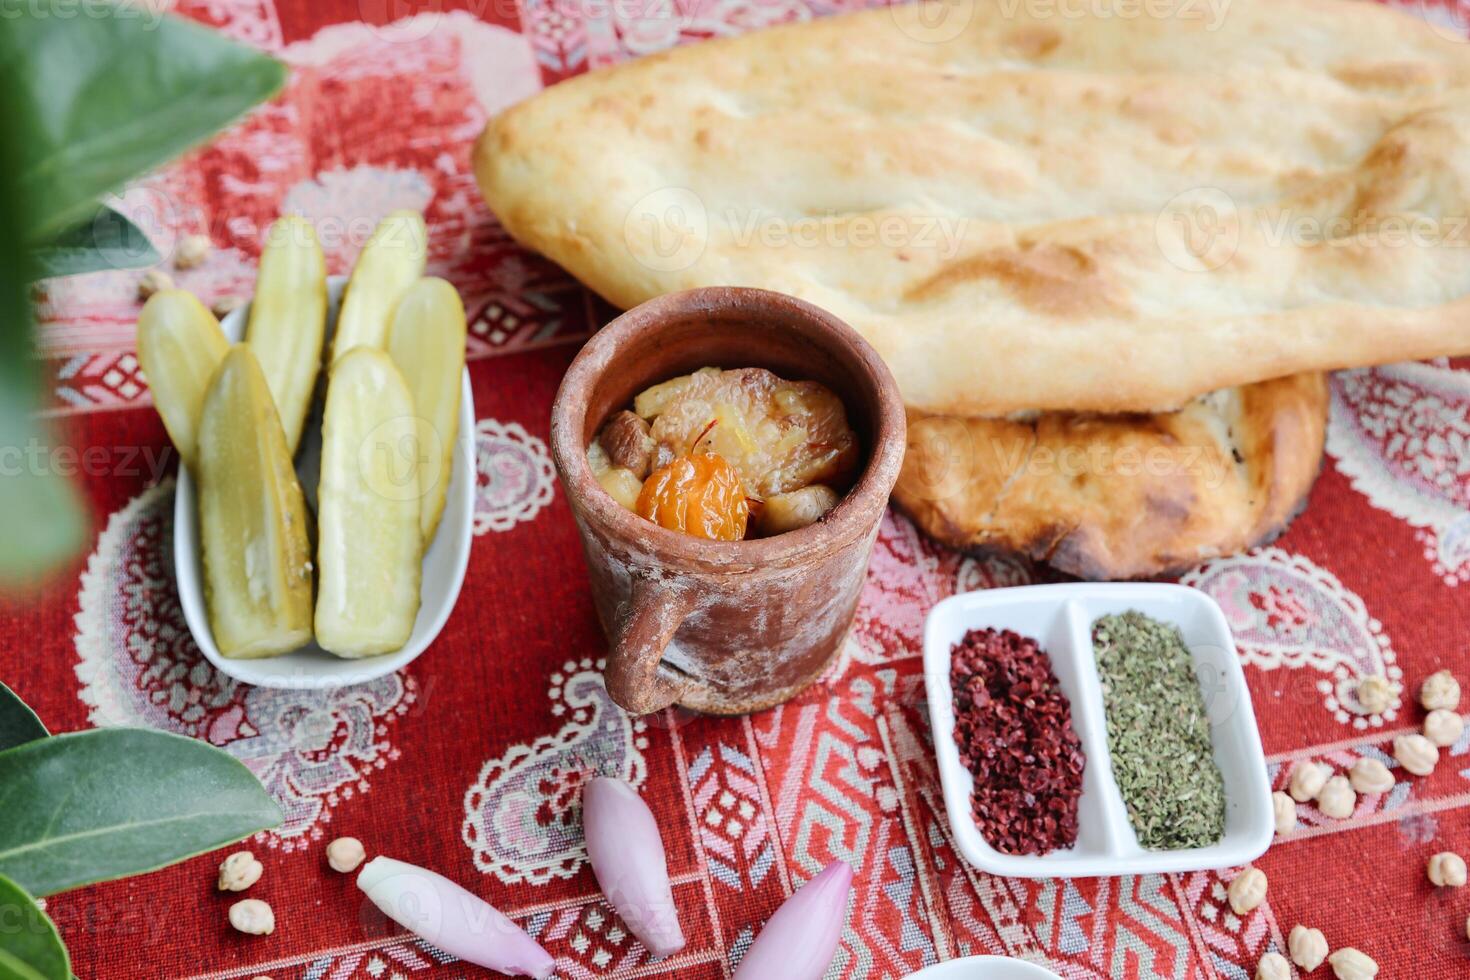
(1120, 496)
(1030, 204)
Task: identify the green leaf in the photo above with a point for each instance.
(42, 518)
(18, 724)
(112, 802)
(30, 947)
(106, 240)
(111, 97)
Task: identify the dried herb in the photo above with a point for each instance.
(1159, 733)
(1013, 726)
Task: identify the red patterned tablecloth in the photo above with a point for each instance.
(470, 760)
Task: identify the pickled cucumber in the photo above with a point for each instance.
(180, 345)
(427, 344)
(370, 544)
(252, 517)
(391, 261)
(288, 319)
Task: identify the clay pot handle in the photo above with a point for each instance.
(652, 615)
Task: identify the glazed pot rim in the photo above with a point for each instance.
(853, 515)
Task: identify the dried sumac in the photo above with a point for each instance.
(1013, 726)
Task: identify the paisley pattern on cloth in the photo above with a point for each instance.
(1287, 612)
(515, 477)
(1401, 434)
(313, 750)
(523, 814)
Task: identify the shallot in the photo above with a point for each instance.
(453, 919)
(628, 859)
(799, 941)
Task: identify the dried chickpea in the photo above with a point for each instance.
(1308, 947)
(1284, 809)
(253, 917)
(154, 281)
(1337, 799)
(345, 853)
(1443, 727)
(192, 251)
(1375, 694)
(239, 871)
(1273, 966)
(1370, 776)
(1416, 754)
(226, 305)
(1447, 870)
(1247, 890)
(1440, 691)
(1307, 780)
(1352, 964)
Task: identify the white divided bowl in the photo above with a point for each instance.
(984, 968)
(443, 569)
(1060, 618)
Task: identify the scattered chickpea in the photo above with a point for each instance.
(1370, 776)
(1416, 754)
(1443, 727)
(1439, 691)
(1467, 927)
(154, 281)
(1247, 890)
(239, 871)
(1447, 870)
(345, 853)
(1337, 799)
(1308, 947)
(253, 917)
(1375, 694)
(1284, 808)
(1352, 964)
(1273, 966)
(192, 251)
(1307, 780)
(226, 305)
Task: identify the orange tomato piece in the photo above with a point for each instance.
(700, 495)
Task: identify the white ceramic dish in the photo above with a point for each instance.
(443, 569)
(984, 968)
(1060, 618)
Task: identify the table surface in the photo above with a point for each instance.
(470, 760)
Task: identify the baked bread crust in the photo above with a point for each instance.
(1120, 496)
(1091, 213)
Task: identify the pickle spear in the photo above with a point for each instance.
(390, 262)
(288, 319)
(179, 345)
(369, 545)
(427, 343)
(252, 517)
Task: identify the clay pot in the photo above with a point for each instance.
(720, 626)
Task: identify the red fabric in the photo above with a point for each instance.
(505, 714)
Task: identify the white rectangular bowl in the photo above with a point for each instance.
(1060, 618)
(444, 566)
